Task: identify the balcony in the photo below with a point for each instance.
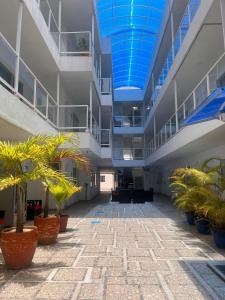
(189, 14)
(128, 124)
(76, 48)
(128, 157)
(77, 118)
(206, 87)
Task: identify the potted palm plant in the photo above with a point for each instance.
(185, 182)
(62, 192)
(21, 163)
(55, 149)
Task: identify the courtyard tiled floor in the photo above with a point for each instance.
(116, 252)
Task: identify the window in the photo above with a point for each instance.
(102, 178)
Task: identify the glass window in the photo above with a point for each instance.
(102, 178)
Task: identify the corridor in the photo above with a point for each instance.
(115, 251)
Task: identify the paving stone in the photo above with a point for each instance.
(116, 280)
(109, 262)
(51, 290)
(190, 253)
(153, 292)
(56, 262)
(115, 272)
(166, 253)
(18, 290)
(33, 275)
(150, 279)
(193, 292)
(173, 244)
(70, 274)
(154, 266)
(121, 292)
(180, 279)
(66, 253)
(90, 291)
(96, 273)
(138, 252)
(86, 261)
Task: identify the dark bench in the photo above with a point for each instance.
(132, 196)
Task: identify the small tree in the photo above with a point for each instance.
(62, 191)
(55, 149)
(21, 163)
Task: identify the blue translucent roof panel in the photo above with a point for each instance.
(133, 26)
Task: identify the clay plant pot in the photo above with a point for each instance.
(18, 248)
(48, 229)
(63, 223)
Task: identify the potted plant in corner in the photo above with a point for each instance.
(56, 148)
(185, 182)
(20, 163)
(62, 192)
(83, 46)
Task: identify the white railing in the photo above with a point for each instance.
(73, 117)
(71, 43)
(205, 87)
(50, 20)
(128, 121)
(106, 86)
(75, 43)
(30, 89)
(36, 96)
(186, 21)
(128, 154)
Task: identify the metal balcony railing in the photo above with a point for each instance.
(128, 154)
(75, 43)
(105, 138)
(31, 91)
(128, 121)
(106, 86)
(205, 88)
(189, 14)
(71, 43)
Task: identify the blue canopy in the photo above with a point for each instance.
(134, 27)
(210, 109)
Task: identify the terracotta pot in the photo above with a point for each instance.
(48, 229)
(63, 223)
(18, 248)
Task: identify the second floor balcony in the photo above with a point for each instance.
(72, 118)
(195, 108)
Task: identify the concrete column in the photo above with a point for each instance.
(100, 123)
(222, 10)
(172, 35)
(18, 41)
(176, 104)
(60, 23)
(153, 87)
(58, 96)
(154, 132)
(91, 106)
(92, 46)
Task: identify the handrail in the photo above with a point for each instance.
(175, 115)
(72, 32)
(172, 54)
(49, 6)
